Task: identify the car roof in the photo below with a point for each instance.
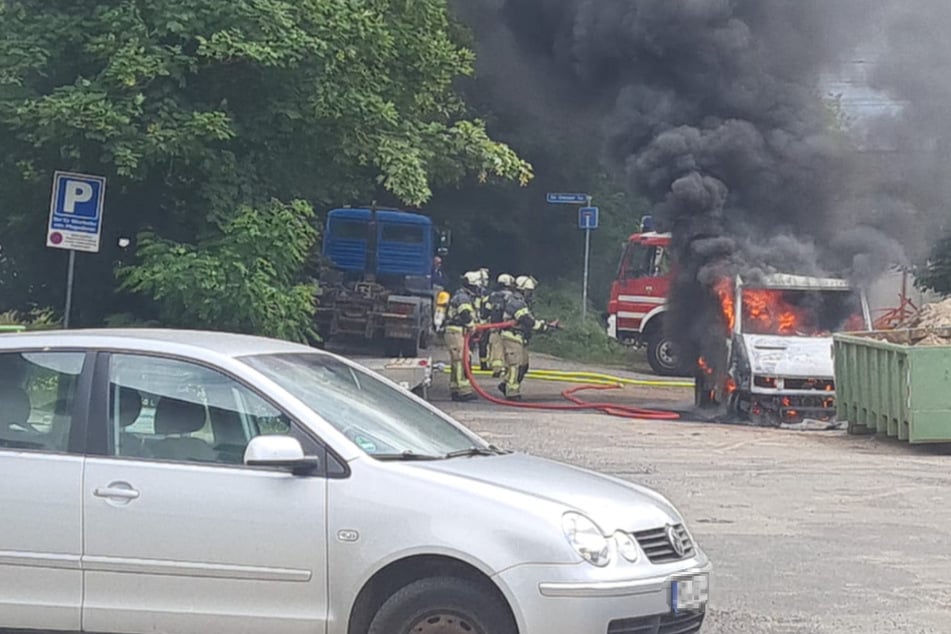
(190, 341)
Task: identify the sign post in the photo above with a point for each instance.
(75, 221)
(588, 219)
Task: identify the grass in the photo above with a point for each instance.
(582, 341)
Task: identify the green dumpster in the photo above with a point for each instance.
(895, 383)
(12, 328)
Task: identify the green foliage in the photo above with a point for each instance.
(936, 274)
(34, 319)
(247, 280)
(584, 341)
(195, 109)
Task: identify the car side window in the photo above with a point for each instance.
(164, 409)
(37, 393)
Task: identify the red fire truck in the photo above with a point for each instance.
(638, 303)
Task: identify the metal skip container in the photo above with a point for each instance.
(895, 383)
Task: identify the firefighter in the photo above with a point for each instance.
(515, 339)
(480, 343)
(461, 318)
(493, 312)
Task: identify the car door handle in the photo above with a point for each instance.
(116, 493)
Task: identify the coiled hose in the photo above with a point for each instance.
(577, 405)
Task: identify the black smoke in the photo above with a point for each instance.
(713, 109)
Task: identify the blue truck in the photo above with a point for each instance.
(376, 280)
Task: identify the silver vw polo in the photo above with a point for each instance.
(195, 482)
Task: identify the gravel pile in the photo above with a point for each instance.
(936, 315)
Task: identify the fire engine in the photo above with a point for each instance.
(638, 304)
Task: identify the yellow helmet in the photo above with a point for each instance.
(526, 283)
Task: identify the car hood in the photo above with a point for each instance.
(612, 503)
(802, 357)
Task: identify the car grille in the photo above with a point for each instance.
(667, 624)
(656, 544)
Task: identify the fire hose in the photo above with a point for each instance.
(577, 405)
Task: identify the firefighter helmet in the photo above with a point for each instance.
(472, 279)
(484, 278)
(506, 281)
(526, 283)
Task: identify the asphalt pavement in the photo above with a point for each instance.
(810, 532)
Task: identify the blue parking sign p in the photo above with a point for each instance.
(76, 212)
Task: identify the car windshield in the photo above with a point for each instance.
(383, 421)
(800, 313)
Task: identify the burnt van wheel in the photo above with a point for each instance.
(443, 605)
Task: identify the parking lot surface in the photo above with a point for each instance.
(810, 532)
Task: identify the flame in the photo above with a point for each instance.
(724, 292)
(704, 366)
(767, 312)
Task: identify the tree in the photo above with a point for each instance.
(935, 275)
(195, 109)
(255, 263)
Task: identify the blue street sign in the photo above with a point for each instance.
(588, 218)
(567, 199)
(76, 212)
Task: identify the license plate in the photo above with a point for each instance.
(689, 594)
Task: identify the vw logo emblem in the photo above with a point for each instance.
(675, 542)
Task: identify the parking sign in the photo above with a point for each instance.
(76, 212)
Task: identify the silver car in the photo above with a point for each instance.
(196, 483)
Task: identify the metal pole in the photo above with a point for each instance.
(69, 288)
(587, 254)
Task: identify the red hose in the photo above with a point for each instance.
(578, 405)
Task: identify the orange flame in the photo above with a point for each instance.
(724, 292)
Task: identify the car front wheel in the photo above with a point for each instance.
(442, 605)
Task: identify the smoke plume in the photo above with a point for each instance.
(713, 110)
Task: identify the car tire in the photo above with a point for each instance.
(661, 355)
(442, 604)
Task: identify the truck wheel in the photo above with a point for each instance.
(662, 355)
(444, 605)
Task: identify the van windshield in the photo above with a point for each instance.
(800, 313)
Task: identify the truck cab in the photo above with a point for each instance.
(779, 367)
(376, 282)
(638, 302)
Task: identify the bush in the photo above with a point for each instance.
(36, 319)
(584, 341)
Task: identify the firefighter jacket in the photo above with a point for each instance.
(493, 309)
(462, 312)
(518, 310)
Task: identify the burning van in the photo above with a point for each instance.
(779, 366)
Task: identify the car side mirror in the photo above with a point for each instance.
(281, 452)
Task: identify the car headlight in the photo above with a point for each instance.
(586, 538)
(626, 546)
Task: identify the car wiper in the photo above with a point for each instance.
(406, 456)
(491, 450)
